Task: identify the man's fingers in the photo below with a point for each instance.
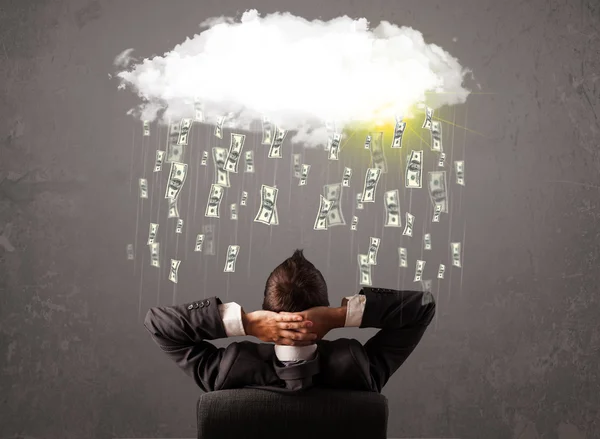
(295, 325)
(288, 317)
(299, 336)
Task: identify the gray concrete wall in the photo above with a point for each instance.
(513, 352)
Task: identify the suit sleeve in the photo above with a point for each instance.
(402, 317)
(182, 332)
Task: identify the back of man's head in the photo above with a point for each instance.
(295, 285)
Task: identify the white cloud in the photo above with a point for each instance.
(298, 72)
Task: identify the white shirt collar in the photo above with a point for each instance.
(295, 353)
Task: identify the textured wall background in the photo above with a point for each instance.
(514, 350)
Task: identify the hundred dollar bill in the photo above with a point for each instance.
(267, 131)
(428, 116)
(437, 190)
(154, 254)
(354, 223)
(184, 131)
(235, 151)
(419, 270)
(441, 159)
(213, 205)
(219, 127)
(410, 222)
(398, 133)
(321, 222)
(414, 170)
(359, 204)
(173, 209)
(199, 241)
(174, 271)
(297, 165)
(174, 151)
(334, 146)
(427, 241)
(179, 227)
(333, 193)
(130, 252)
(143, 188)
(402, 257)
(459, 169)
(278, 138)
(160, 157)
(455, 247)
(221, 175)
(198, 111)
(365, 270)
(391, 200)
(176, 180)
(146, 128)
(436, 136)
(204, 158)
(268, 204)
(152, 233)
(233, 212)
(370, 187)
(436, 213)
(441, 271)
(209, 237)
(368, 142)
(378, 159)
(303, 174)
(232, 254)
(373, 250)
(347, 176)
(249, 162)
(244, 198)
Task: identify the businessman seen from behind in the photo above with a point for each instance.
(295, 316)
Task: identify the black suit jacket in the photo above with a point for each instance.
(182, 332)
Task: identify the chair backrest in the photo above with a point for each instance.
(316, 413)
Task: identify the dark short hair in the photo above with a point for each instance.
(295, 285)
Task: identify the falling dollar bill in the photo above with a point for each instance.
(410, 222)
(391, 201)
(199, 242)
(146, 128)
(267, 131)
(184, 131)
(368, 142)
(365, 270)
(455, 247)
(370, 187)
(334, 146)
(427, 241)
(321, 221)
(143, 188)
(213, 205)
(174, 150)
(173, 209)
(359, 204)
(378, 159)
(275, 149)
(130, 252)
(427, 289)
(441, 271)
(373, 250)
(176, 180)
(204, 158)
(198, 111)
(419, 270)
(354, 223)
(414, 170)
(428, 116)
(160, 157)
(219, 127)
(174, 271)
(179, 227)
(436, 136)
(154, 254)
(209, 237)
(152, 233)
(436, 214)
(268, 204)
(232, 254)
(402, 257)
(297, 165)
(303, 174)
(233, 214)
(244, 198)
(249, 155)
(459, 169)
(235, 152)
(441, 159)
(346, 177)
(333, 193)
(437, 190)
(221, 175)
(398, 133)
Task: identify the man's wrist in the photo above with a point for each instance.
(246, 323)
(338, 316)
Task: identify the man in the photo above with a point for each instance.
(295, 316)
